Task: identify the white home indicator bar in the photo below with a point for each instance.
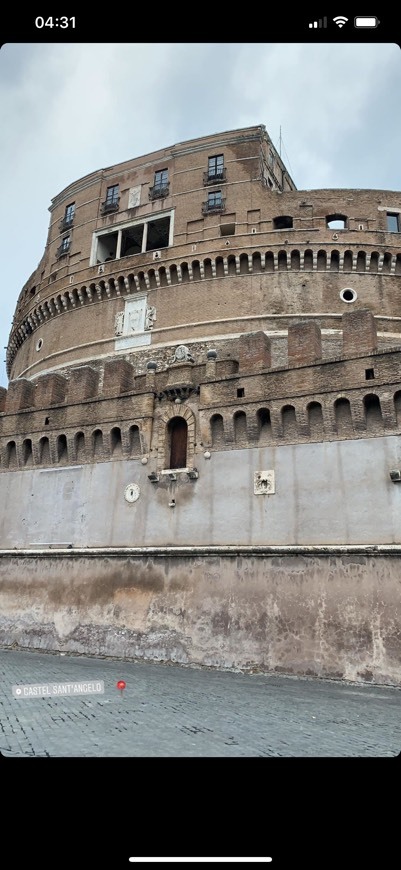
(201, 860)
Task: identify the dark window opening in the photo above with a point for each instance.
(284, 222)
(106, 247)
(80, 445)
(46, 421)
(27, 452)
(227, 229)
(131, 241)
(158, 234)
(178, 433)
(369, 374)
(115, 441)
(32, 291)
(240, 393)
(61, 448)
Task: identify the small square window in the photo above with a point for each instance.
(369, 374)
(393, 222)
(241, 393)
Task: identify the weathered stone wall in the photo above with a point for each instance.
(335, 615)
(324, 493)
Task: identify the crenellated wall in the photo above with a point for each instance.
(92, 415)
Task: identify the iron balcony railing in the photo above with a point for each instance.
(63, 250)
(66, 223)
(159, 191)
(110, 205)
(214, 177)
(210, 208)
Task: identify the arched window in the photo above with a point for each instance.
(315, 418)
(240, 429)
(97, 442)
(27, 452)
(80, 446)
(178, 438)
(115, 442)
(134, 441)
(11, 455)
(342, 416)
(264, 424)
(62, 452)
(288, 420)
(217, 429)
(373, 413)
(44, 450)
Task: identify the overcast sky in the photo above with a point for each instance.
(70, 109)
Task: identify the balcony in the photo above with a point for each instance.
(63, 250)
(218, 177)
(214, 208)
(110, 205)
(66, 224)
(159, 191)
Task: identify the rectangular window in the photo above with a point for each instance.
(216, 166)
(161, 178)
(136, 237)
(69, 213)
(64, 247)
(393, 222)
(214, 200)
(68, 218)
(112, 195)
(160, 188)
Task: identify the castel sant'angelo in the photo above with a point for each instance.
(200, 440)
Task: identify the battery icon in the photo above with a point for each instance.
(366, 21)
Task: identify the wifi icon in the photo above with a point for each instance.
(340, 20)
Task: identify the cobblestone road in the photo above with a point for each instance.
(171, 711)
